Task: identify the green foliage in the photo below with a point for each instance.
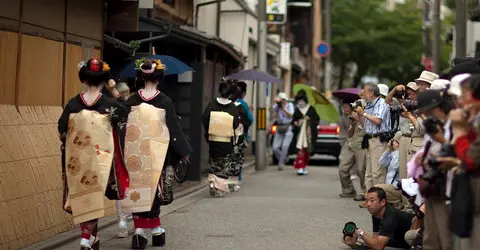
(134, 44)
(139, 62)
(385, 43)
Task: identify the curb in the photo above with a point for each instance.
(105, 222)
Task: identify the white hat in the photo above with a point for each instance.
(413, 86)
(439, 84)
(122, 87)
(427, 76)
(457, 81)
(383, 89)
(283, 96)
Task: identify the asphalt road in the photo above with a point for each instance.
(273, 210)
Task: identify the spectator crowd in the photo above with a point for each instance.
(416, 152)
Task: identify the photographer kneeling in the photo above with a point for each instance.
(389, 224)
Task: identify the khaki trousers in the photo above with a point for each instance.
(436, 236)
(393, 196)
(351, 161)
(375, 174)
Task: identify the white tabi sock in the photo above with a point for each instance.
(92, 240)
(85, 242)
(158, 230)
(140, 232)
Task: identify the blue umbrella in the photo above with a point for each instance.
(173, 66)
(254, 75)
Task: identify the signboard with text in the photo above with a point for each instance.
(276, 11)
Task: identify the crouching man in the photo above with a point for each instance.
(389, 225)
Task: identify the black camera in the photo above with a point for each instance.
(410, 105)
(432, 125)
(349, 229)
(400, 95)
(433, 171)
(356, 104)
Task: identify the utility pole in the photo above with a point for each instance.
(436, 36)
(461, 28)
(328, 39)
(261, 143)
(426, 29)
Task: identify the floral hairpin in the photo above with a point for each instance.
(105, 67)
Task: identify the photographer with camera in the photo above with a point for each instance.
(409, 125)
(436, 105)
(389, 225)
(283, 113)
(375, 118)
(352, 156)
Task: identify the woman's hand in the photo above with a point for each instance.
(186, 158)
(306, 118)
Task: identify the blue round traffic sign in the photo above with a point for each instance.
(323, 49)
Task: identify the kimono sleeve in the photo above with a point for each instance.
(244, 117)
(314, 118)
(177, 138)
(235, 114)
(297, 115)
(206, 117)
(63, 122)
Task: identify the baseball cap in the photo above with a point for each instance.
(428, 99)
(439, 84)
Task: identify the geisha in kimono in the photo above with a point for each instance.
(154, 140)
(90, 129)
(240, 139)
(305, 121)
(220, 120)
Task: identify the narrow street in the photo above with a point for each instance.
(273, 210)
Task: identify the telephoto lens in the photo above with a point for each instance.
(349, 229)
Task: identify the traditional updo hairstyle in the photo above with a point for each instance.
(94, 72)
(151, 70)
(227, 88)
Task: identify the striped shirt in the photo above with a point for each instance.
(379, 109)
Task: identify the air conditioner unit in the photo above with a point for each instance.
(275, 38)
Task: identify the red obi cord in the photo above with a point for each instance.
(143, 222)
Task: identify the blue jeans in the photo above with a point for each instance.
(281, 143)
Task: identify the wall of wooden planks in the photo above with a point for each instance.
(31, 176)
(39, 54)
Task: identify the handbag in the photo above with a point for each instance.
(282, 128)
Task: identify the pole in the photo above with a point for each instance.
(426, 29)
(436, 36)
(328, 39)
(219, 11)
(461, 28)
(261, 144)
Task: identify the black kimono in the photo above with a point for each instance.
(177, 149)
(220, 152)
(117, 113)
(314, 121)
